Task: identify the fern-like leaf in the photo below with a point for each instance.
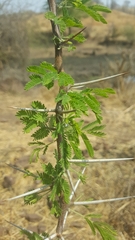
(100, 8)
(48, 66)
(36, 69)
(106, 231)
(87, 144)
(41, 133)
(65, 79)
(66, 190)
(34, 235)
(35, 80)
(103, 92)
(32, 199)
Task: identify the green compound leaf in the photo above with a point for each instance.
(41, 133)
(78, 102)
(105, 230)
(33, 119)
(91, 10)
(72, 22)
(66, 189)
(65, 151)
(89, 126)
(35, 154)
(100, 8)
(101, 18)
(65, 79)
(57, 20)
(38, 105)
(48, 175)
(87, 10)
(49, 78)
(32, 199)
(36, 69)
(76, 150)
(55, 210)
(94, 106)
(33, 236)
(60, 186)
(29, 126)
(50, 15)
(64, 97)
(94, 128)
(35, 80)
(87, 144)
(90, 223)
(80, 38)
(48, 66)
(103, 92)
(71, 48)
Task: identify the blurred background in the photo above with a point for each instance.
(25, 38)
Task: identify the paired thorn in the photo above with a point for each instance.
(42, 110)
(29, 193)
(99, 160)
(98, 80)
(102, 201)
(34, 110)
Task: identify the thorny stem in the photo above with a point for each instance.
(59, 112)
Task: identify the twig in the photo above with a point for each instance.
(129, 108)
(98, 80)
(24, 229)
(72, 37)
(23, 171)
(21, 228)
(121, 208)
(102, 201)
(99, 160)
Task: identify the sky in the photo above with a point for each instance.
(37, 5)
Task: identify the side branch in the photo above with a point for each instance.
(72, 37)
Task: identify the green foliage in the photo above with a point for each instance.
(87, 144)
(90, 10)
(46, 74)
(64, 124)
(32, 199)
(105, 230)
(35, 236)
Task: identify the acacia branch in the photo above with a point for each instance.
(59, 113)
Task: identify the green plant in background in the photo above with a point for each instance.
(64, 123)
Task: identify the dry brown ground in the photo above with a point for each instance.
(104, 181)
